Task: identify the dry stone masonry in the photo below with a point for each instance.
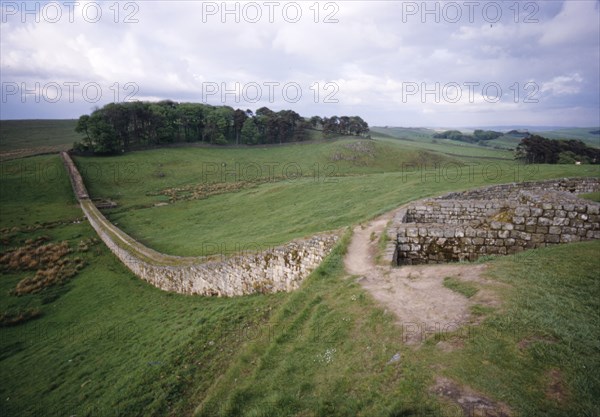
(278, 269)
(496, 220)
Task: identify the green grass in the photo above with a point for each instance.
(581, 133)
(461, 287)
(549, 321)
(19, 138)
(330, 354)
(107, 343)
(591, 196)
(330, 193)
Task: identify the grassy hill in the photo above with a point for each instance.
(583, 134)
(106, 343)
(508, 142)
(20, 138)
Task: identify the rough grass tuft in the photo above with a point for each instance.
(461, 287)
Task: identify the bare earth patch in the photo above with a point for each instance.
(471, 402)
(416, 294)
(555, 388)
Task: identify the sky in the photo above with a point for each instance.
(394, 63)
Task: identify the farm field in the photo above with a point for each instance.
(21, 138)
(106, 343)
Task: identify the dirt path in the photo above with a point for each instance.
(425, 308)
(415, 294)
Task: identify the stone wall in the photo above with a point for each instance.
(279, 269)
(496, 220)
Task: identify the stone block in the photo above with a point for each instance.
(569, 238)
(412, 232)
(593, 209)
(530, 221)
(560, 221)
(536, 212)
(504, 234)
(552, 238)
(495, 225)
(548, 213)
(544, 221)
(448, 232)
(523, 211)
(560, 213)
(538, 238)
(508, 226)
(436, 232)
(554, 230)
(459, 233)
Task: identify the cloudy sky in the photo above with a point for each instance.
(400, 63)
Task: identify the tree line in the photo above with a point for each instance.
(477, 136)
(536, 149)
(120, 127)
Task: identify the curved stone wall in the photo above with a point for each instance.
(496, 220)
(279, 269)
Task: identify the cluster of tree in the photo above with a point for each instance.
(343, 125)
(536, 149)
(119, 127)
(477, 136)
(514, 132)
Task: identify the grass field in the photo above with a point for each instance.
(106, 344)
(302, 189)
(505, 142)
(20, 138)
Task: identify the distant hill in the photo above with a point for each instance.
(512, 137)
(19, 138)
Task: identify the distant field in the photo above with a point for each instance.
(19, 138)
(582, 133)
(423, 139)
(507, 142)
(210, 199)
